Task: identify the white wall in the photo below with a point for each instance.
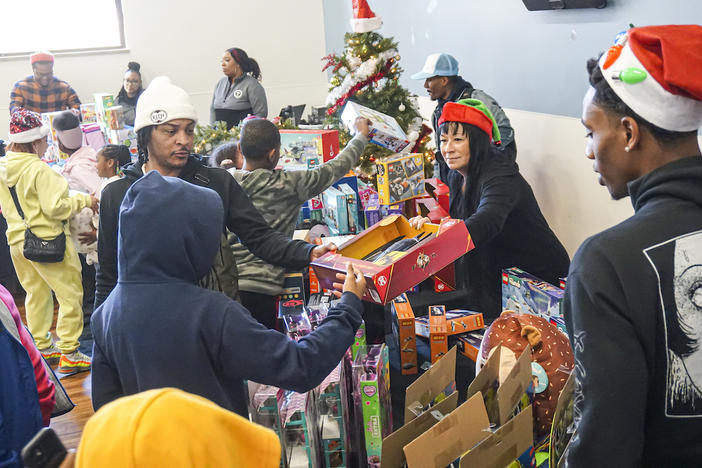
(186, 42)
(551, 157)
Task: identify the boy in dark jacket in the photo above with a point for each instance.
(159, 329)
(278, 195)
(633, 301)
(165, 122)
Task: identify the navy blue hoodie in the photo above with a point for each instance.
(157, 328)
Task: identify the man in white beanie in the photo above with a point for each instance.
(633, 301)
(165, 123)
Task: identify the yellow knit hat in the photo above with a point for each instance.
(170, 428)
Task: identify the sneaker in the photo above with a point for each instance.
(74, 363)
(51, 354)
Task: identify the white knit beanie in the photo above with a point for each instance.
(162, 102)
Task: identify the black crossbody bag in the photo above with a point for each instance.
(36, 249)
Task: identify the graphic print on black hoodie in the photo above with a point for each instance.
(678, 265)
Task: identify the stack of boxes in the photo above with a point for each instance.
(524, 293)
(110, 118)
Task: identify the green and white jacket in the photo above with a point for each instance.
(278, 195)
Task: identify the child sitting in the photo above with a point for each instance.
(278, 195)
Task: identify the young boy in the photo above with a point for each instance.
(278, 195)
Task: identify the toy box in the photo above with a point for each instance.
(124, 136)
(335, 212)
(115, 117)
(445, 280)
(333, 413)
(400, 177)
(304, 149)
(396, 271)
(525, 293)
(372, 381)
(560, 323)
(264, 410)
(375, 212)
(384, 130)
(93, 136)
(457, 321)
(439, 191)
(351, 209)
(299, 413)
(366, 193)
(562, 282)
(403, 329)
(438, 336)
(468, 344)
(430, 208)
(102, 102)
(87, 113)
(47, 119)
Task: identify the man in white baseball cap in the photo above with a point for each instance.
(442, 82)
(165, 123)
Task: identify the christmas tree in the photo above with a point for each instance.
(367, 73)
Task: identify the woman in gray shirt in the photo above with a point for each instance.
(239, 92)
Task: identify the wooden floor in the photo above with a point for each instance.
(69, 427)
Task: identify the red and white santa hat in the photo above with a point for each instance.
(657, 72)
(364, 20)
(26, 126)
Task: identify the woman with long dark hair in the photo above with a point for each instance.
(498, 207)
(239, 92)
(129, 92)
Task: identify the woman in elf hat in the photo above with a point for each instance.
(499, 209)
(42, 196)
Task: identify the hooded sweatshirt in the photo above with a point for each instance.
(278, 195)
(632, 309)
(171, 428)
(241, 218)
(159, 329)
(42, 194)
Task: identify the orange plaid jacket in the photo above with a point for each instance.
(57, 96)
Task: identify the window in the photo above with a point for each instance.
(60, 26)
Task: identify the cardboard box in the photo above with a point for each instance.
(93, 136)
(468, 344)
(457, 321)
(455, 434)
(504, 397)
(562, 421)
(403, 329)
(525, 293)
(302, 149)
(439, 191)
(351, 209)
(438, 332)
(115, 117)
(335, 212)
(372, 381)
(400, 178)
(503, 446)
(374, 212)
(366, 193)
(385, 282)
(445, 280)
(384, 130)
(102, 102)
(124, 136)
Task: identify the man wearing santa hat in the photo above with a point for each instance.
(633, 301)
(42, 91)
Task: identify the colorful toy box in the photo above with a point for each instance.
(303, 149)
(302, 444)
(93, 136)
(439, 191)
(375, 212)
(525, 293)
(372, 381)
(468, 344)
(103, 101)
(400, 178)
(438, 333)
(335, 212)
(351, 209)
(87, 113)
(384, 130)
(403, 329)
(264, 410)
(115, 117)
(124, 136)
(430, 208)
(441, 245)
(332, 410)
(457, 321)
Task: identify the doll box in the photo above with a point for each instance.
(447, 242)
(400, 178)
(384, 130)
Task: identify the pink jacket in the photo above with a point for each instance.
(80, 171)
(45, 387)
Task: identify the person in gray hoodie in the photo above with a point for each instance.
(239, 92)
(278, 196)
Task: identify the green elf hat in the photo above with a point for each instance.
(473, 112)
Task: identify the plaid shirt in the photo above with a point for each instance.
(57, 96)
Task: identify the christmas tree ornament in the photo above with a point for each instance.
(631, 75)
(401, 107)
